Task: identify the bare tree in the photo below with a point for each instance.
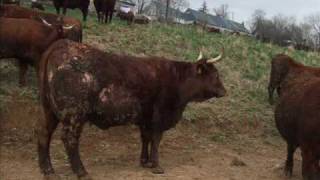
(222, 11)
(204, 7)
(180, 4)
(314, 22)
(141, 4)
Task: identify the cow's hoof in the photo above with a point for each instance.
(51, 177)
(85, 177)
(146, 164)
(157, 170)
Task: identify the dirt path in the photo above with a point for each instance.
(114, 154)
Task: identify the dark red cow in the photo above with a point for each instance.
(105, 9)
(283, 70)
(213, 29)
(72, 4)
(11, 11)
(81, 84)
(26, 40)
(297, 114)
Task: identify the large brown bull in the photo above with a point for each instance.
(80, 84)
(26, 40)
(297, 114)
(11, 11)
(283, 70)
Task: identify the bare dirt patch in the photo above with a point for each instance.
(187, 152)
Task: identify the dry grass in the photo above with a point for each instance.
(245, 71)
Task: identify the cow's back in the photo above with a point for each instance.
(81, 79)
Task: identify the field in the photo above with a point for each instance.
(232, 138)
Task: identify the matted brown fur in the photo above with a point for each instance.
(80, 84)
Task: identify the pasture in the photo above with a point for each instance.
(228, 138)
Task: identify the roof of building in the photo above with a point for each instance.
(216, 21)
(129, 2)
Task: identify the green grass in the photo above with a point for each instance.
(245, 68)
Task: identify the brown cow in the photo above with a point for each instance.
(105, 9)
(213, 30)
(11, 11)
(283, 69)
(26, 40)
(297, 115)
(129, 17)
(72, 4)
(81, 84)
(297, 118)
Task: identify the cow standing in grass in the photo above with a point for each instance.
(297, 114)
(80, 84)
(26, 40)
(104, 9)
(83, 5)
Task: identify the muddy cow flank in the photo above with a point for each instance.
(83, 5)
(284, 72)
(80, 84)
(26, 40)
(11, 11)
(104, 9)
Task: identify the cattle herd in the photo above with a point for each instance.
(80, 84)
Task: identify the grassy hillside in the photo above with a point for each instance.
(244, 70)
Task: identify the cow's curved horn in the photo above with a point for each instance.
(216, 59)
(68, 27)
(200, 56)
(45, 22)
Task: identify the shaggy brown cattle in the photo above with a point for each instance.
(283, 70)
(11, 11)
(105, 9)
(213, 30)
(126, 16)
(72, 4)
(297, 113)
(26, 40)
(80, 84)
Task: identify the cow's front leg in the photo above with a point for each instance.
(145, 139)
(70, 137)
(64, 11)
(154, 155)
(23, 67)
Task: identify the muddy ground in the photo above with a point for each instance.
(187, 152)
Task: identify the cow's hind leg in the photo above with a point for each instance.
(289, 162)
(70, 136)
(154, 155)
(145, 139)
(310, 163)
(84, 14)
(44, 132)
